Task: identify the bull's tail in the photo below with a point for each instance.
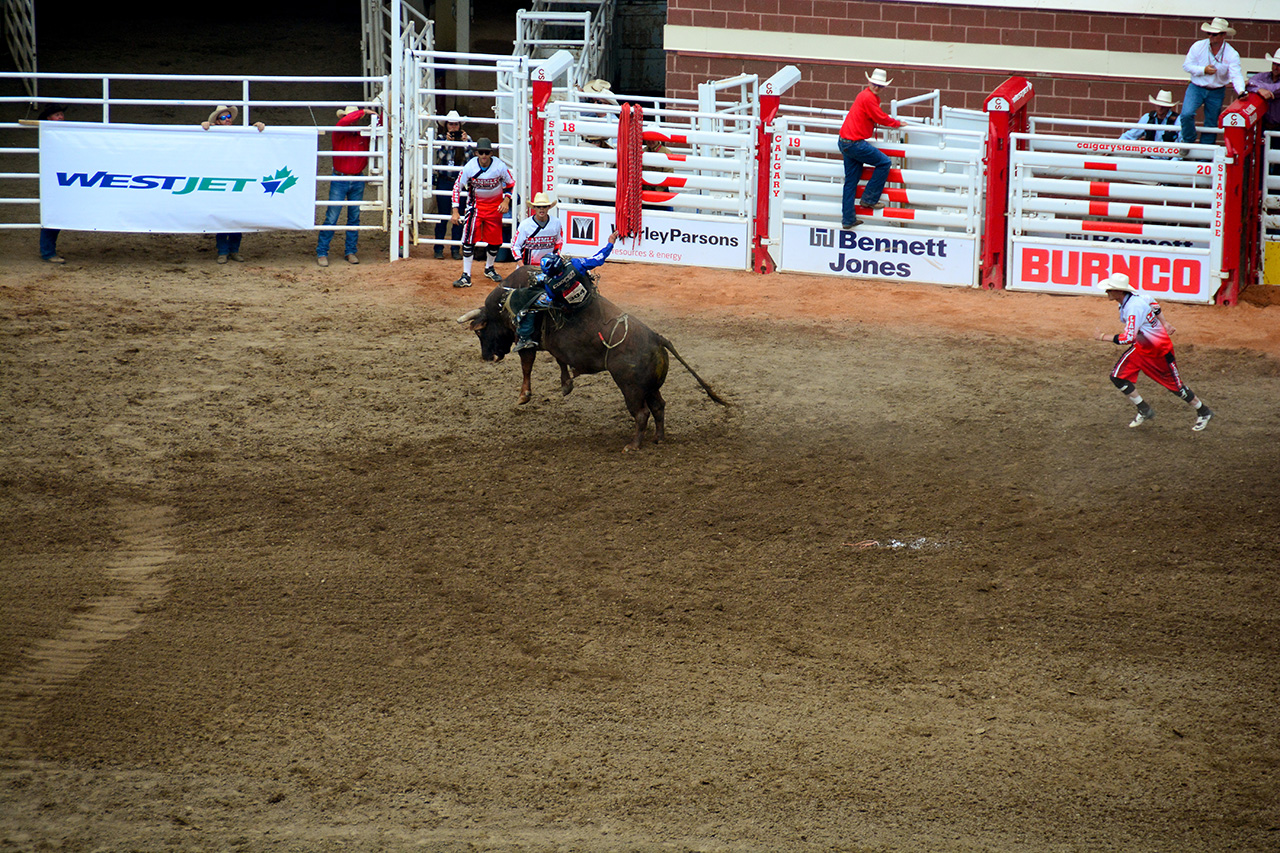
(705, 387)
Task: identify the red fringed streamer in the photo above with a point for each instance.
(630, 157)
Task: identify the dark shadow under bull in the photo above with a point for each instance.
(597, 337)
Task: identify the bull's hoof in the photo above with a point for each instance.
(524, 398)
(565, 389)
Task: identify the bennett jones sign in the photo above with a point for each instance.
(927, 258)
(1055, 268)
(665, 240)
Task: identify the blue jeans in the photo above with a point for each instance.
(528, 317)
(342, 191)
(1197, 96)
(48, 242)
(856, 155)
(228, 244)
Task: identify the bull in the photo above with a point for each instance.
(595, 338)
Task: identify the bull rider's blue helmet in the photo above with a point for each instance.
(552, 265)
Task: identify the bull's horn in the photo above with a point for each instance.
(469, 316)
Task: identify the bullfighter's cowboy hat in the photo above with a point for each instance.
(542, 200)
(1116, 281)
(223, 108)
(1163, 98)
(1218, 25)
(878, 77)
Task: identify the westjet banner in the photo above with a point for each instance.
(129, 177)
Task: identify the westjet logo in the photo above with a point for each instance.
(275, 184)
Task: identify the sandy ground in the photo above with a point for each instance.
(287, 568)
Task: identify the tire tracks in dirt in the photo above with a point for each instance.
(136, 571)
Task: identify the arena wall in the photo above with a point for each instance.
(1083, 64)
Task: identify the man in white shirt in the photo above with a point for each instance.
(539, 235)
(1212, 64)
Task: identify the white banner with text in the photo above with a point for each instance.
(178, 180)
(721, 242)
(1052, 267)
(883, 253)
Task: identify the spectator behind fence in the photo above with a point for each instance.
(49, 236)
(1158, 125)
(228, 244)
(351, 164)
(856, 133)
(1267, 85)
(598, 92)
(1212, 64)
(455, 156)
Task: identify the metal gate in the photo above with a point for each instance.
(491, 94)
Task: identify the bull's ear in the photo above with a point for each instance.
(477, 325)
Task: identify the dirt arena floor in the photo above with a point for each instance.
(286, 568)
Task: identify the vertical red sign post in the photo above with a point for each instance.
(768, 182)
(542, 79)
(1007, 113)
(1242, 202)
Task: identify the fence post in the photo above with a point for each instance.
(542, 79)
(1241, 203)
(767, 186)
(1006, 110)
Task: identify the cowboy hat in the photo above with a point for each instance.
(1163, 98)
(484, 146)
(1275, 58)
(52, 109)
(542, 200)
(878, 78)
(1116, 281)
(598, 87)
(1218, 25)
(346, 111)
(223, 108)
(452, 116)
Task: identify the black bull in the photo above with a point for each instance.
(596, 338)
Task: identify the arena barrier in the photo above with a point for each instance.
(929, 230)
(697, 198)
(131, 99)
(1269, 227)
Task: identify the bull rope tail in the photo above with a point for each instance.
(627, 209)
(622, 320)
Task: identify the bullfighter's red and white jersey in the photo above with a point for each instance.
(486, 187)
(1142, 327)
(535, 239)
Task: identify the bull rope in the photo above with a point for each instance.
(623, 320)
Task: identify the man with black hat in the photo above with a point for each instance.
(1150, 351)
(49, 236)
(488, 182)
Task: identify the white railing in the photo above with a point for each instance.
(315, 105)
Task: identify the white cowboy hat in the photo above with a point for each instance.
(1163, 98)
(223, 108)
(453, 116)
(878, 78)
(1218, 25)
(542, 200)
(1275, 58)
(598, 87)
(1116, 281)
(346, 111)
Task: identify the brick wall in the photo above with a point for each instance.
(834, 85)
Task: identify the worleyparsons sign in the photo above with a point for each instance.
(122, 177)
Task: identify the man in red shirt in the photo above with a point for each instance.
(859, 127)
(347, 184)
